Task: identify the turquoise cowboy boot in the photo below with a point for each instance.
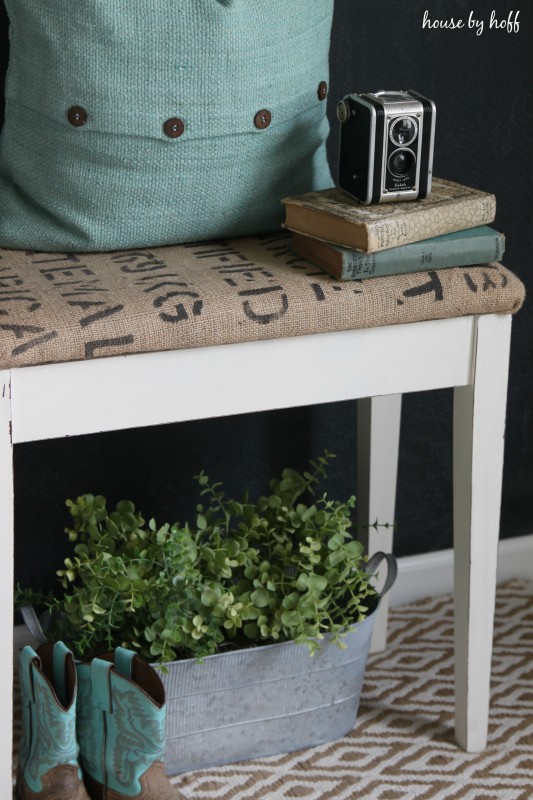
(121, 729)
(48, 754)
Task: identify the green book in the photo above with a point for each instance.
(459, 249)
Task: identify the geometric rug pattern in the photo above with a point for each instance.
(402, 746)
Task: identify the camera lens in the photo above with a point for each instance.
(401, 162)
(403, 130)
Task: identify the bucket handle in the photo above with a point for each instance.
(33, 624)
(392, 569)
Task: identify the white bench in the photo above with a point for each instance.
(249, 309)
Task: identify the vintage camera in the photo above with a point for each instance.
(386, 146)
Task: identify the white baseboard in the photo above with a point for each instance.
(431, 574)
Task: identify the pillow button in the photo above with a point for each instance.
(173, 127)
(322, 90)
(262, 119)
(77, 116)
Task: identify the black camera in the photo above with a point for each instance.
(386, 146)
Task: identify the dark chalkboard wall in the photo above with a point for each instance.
(481, 86)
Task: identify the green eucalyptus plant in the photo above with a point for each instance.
(241, 574)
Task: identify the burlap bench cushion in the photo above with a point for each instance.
(65, 307)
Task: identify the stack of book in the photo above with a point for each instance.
(449, 228)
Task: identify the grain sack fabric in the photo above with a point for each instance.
(57, 307)
(135, 123)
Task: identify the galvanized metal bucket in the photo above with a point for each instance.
(261, 701)
(266, 700)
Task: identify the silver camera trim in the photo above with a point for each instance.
(387, 195)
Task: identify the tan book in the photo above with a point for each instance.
(333, 216)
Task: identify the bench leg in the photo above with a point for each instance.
(479, 426)
(378, 436)
(6, 582)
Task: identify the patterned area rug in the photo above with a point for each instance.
(402, 747)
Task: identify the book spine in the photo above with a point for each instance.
(428, 254)
(427, 223)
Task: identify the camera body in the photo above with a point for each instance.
(386, 146)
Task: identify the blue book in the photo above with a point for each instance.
(459, 249)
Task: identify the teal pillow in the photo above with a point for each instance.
(133, 123)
